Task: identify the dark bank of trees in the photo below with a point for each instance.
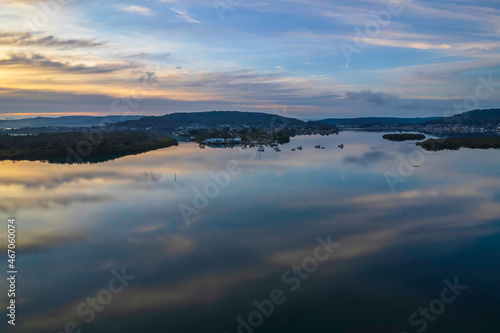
(457, 143)
(71, 147)
(403, 137)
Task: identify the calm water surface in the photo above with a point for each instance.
(76, 224)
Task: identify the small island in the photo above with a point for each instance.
(457, 143)
(80, 147)
(404, 137)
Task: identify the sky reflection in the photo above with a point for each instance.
(396, 247)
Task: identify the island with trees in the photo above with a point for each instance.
(404, 137)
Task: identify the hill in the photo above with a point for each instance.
(66, 121)
(376, 120)
(474, 117)
(214, 119)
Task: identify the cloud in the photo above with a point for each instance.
(48, 202)
(138, 10)
(478, 49)
(38, 60)
(148, 56)
(366, 159)
(147, 76)
(370, 97)
(203, 290)
(149, 177)
(408, 44)
(32, 39)
(184, 15)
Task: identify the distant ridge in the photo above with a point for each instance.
(65, 121)
(237, 118)
(216, 118)
(377, 120)
(474, 117)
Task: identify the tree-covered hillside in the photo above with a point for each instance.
(474, 117)
(213, 118)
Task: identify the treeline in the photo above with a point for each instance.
(403, 137)
(246, 134)
(474, 117)
(75, 147)
(457, 143)
(218, 118)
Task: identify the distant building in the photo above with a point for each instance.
(215, 140)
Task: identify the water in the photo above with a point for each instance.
(77, 224)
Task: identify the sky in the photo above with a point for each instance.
(309, 59)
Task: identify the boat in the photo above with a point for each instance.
(293, 149)
(317, 146)
(299, 147)
(322, 147)
(341, 146)
(277, 149)
(261, 149)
